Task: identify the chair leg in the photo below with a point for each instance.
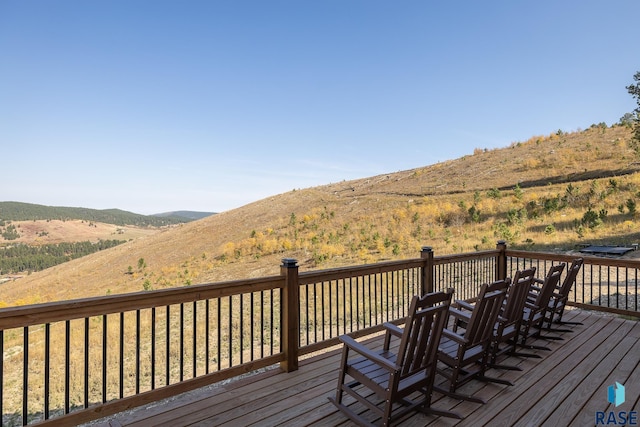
(342, 375)
(349, 413)
(523, 344)
(525, 334)
(428, 409)
(453, 384)
(483, 373)
(494, 357)
(559, 321)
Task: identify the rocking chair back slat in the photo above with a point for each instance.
(422, 330)
(485, 314)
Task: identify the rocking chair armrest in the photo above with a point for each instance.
(535, 279)
(364, 351)
(464, 305)
(459, 314)
(393, 329)
(447, 333)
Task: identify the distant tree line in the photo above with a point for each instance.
(21, 258)
(18, 211)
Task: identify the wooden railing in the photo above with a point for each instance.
(603, 284)
(74, 361)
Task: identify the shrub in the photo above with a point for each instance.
(494, 193)
(516, 216)
(591, 219)
(631, 206)
(517, 191)
(550, 204)
(476, 196)
(474, 213)
(503, 232)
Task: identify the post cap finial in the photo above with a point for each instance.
(289, 262)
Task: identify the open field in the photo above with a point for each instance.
(56, 231)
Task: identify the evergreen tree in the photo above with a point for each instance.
(634, 90)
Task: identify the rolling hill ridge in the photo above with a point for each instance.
(19, 211)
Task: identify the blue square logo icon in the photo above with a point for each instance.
(615, 394)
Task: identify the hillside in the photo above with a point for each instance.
(547, 193)
(18, 211)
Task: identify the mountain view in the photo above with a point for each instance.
(548, 193)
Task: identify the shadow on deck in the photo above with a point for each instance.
(567, 386)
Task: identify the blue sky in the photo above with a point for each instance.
(153, 106)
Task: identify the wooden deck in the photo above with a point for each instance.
(565, 387)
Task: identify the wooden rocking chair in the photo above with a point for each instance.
(507, 330)
(393, 378)
(536, 307)
(459, 351)
(560, 296)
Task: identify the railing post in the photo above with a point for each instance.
(427, 270)
(501, 262)
(290, 331)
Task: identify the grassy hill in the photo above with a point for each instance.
(548, 193)
(18, 211)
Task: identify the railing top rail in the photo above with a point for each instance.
(309, 277)
(594, 260)
(444, 259)
(21, 316)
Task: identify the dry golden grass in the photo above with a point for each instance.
(382, 217)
